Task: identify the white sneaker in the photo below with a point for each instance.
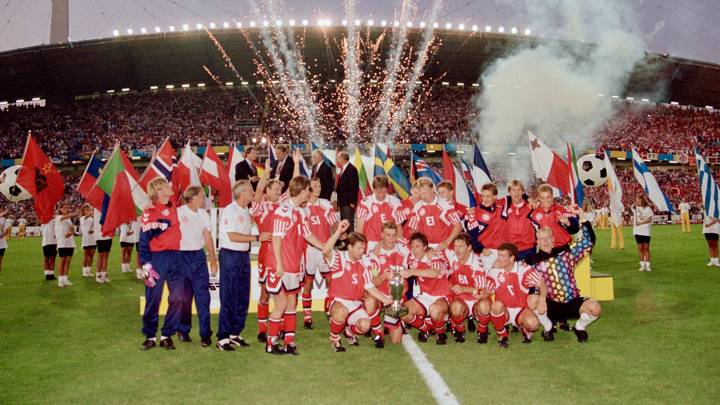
(711, 263)
(98, 278)
(67, 282)
(647, 268)
(61, 283)
(105, 279)
(126, 269)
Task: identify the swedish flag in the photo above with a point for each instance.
(396, 176)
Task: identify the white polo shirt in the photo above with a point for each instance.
(642, 214)
(134, 236)
(234, 219)
(62, 227)
(97, 226)
(48, 233)
(192, 226)
(87, 225)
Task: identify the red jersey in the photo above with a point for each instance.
(397, 256)
(435, 219)
(512, 287)
(439, 286)
(350, 278)
(321, 218)
(290, 224)
(375, 213)
(468, 274)
(262, 214)
(490, 222)
(551, 218)
(519, 229)
(160, 230)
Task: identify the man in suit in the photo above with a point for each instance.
(347, 188)
(246, 170)
(284, 166)
(322, 171)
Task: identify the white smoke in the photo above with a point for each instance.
(554, 87)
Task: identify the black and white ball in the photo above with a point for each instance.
(9, 188)
(592, 171)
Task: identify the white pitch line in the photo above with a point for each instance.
(440, 391)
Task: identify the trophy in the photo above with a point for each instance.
(397, 290)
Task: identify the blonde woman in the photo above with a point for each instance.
(642, 226)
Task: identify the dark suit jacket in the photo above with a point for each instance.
(347, 190)
(327, 179)
(244, 170)
(287, 171)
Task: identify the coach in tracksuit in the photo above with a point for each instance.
(235, 238)
(195, 230)
(159, 257)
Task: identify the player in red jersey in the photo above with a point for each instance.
(321, 219)
(487, 224)
(470, 288)
(556, 217)
(434, 217)
(513, 280)
(389, 252)
(286, 265)
(376, 210)
(431, 271)
(267, 194)
(351, 280)
(519, 229)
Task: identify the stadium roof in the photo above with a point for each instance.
(140, 61)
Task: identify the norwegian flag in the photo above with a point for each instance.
(161, 165)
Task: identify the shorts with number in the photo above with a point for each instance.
(356, 310)
(314, 261)
(426, 300)
(513, 315)
(289, 282)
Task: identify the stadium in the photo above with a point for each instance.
(577, 137)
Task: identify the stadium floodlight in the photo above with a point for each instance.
(476, 84)
(171, 28)
(20, 101)
(514, 30)
(244, 83)
(445, 83)
(461, 27)
(198, 26)
(328, 22)
(185, 85)
(448, 26)
(460, 84)
(125, 89)
(129, 31)
(709, 107)
(116, 33)
(383, 23)
(226, 25)
(418, 82)
(263, 140)
(254, 140)
(501, 29)
(488, 28)
(409, 24)
(291, 22)
(110, 91)
(153, 87)
(615, 97)
(252, 24)
(645, 100)
(201, 84)
(278, 23)
(422, 24)
(266, 23)
(358, 23)
(143, 30)
(238, 24)
(186, 27)
(474, 28)
(674, 103)
(229, 83)
(344, 22)
(38, 99)
(158, 29)
(396, 23)
(260, 82)
(304, 23)
(170, 86)
(630, 98)
(370, 23)
(527, 31)
(212, 25)
(3, 102)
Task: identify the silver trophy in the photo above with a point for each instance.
(397, 290)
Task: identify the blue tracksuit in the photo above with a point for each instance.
(196, 284)
(234, 292)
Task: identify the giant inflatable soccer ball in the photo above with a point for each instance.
(592, 171)
(9, 188)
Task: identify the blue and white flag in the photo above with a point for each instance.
(708, 187)
(480, 171)
(649, 184)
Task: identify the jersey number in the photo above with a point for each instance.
(315, 220)
(510, 290)
(430, 221)
(354, 279)
(462, 279)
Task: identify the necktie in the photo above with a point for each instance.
(314, 171)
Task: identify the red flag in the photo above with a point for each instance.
(448, 170)
(121, 208)
(213, 174)
(161, 165)
(86, 187)
(41, 179)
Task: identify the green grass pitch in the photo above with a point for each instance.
(656, 343)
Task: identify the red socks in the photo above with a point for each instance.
(499, 322)
(289, 325)
(458, 323)
(263, 312)
(376, 325)
(439, 326)
(274, 329)
(483, 322)
(335, 330)
(307, 305)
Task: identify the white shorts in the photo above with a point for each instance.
(513, 314)
(426, 300)
(356, 310)
(315, 260)
(289, 282)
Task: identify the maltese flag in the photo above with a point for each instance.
(548, 165)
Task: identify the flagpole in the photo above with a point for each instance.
(77, 188)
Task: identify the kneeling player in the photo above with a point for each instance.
(513, 280)
(470, 287)
(351, 278)
(388, 252)
(432, 274)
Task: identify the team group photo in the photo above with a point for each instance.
(358, 202)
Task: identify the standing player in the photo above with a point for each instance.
(49, 247)
(351, 280)
(434, 217)
(129, 236)
(321, 219)
(104, 243)
(711, 229)
(685, 217)
(386, 254)
(87, 232)
(376, 210)
(431, 271)
(513, 280)
(519, 229)
(22, 228)
(487, 224)
(470, 288)
(65, 237)
(642, 224)
(5, 229)
(554, 216)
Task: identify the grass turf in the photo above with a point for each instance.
(653, 344)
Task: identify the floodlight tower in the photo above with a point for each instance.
(60, 21)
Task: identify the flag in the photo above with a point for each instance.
(708, 187)
(161, 165)
(271, 155)
(364, 188)
(93, 195)
(420, 168)
(329, 155)
(480, 171)
(463, 195)
(548, 165)
(396, 176)
(615, 193)
(259, 167)
(379, 167)
(213, 173)
(467, 174)
(41, 179)
(237, 155)
(649, 184)
(186, 173)
(304, 170)
(577, 193)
